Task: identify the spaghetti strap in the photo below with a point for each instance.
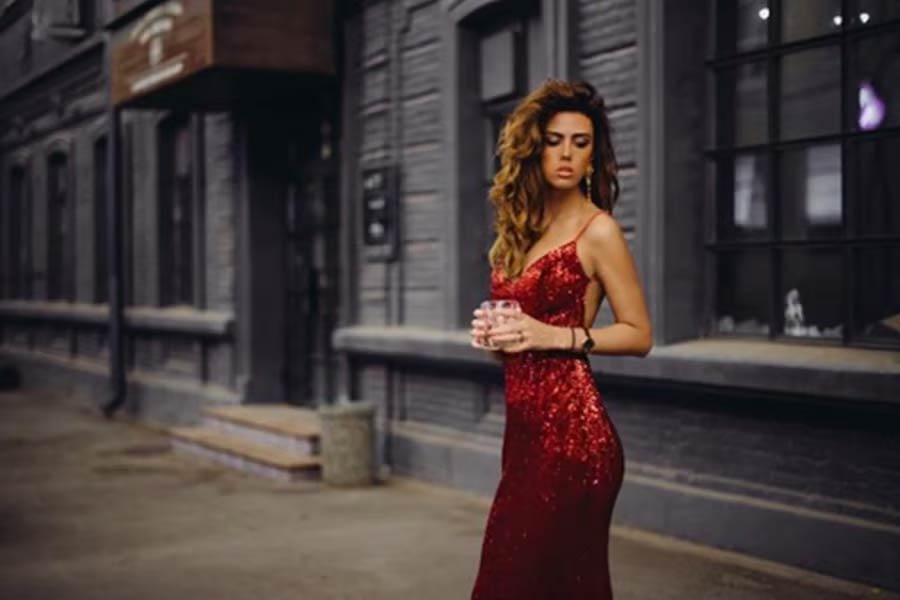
(585, 226)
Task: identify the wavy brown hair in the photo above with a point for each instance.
(518, 187)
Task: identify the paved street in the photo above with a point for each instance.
(96, 509)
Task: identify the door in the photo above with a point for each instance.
(311, 280)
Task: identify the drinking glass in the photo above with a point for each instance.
(494, 318)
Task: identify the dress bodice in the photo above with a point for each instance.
(552, 288)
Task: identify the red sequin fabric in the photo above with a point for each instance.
(562, 461)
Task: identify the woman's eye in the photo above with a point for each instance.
(552, 141)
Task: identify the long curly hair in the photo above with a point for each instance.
(518, 189)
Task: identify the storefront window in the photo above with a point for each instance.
(807, 128)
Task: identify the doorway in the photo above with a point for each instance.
(312, 220)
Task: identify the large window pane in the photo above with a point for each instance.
(803, 19)
(745, 216)
(750, 23)
(877, 294)
(497, 52)
(812, 285)
(811, 192)
(875, 193)
(810, 93)
(742, 292)
(870, 12)
(874, 98)
(742, 94)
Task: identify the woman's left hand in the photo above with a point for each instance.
(520, 332)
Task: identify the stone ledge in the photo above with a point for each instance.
(846, 374)
(179, 319)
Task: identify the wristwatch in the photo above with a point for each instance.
(588, 343)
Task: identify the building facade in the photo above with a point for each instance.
(759, 208)
(333, 247)
(228, 204)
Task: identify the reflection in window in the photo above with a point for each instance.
(742, 292)
(752, 24)
(877, 304)
(875, 69)
(834, 183)
(812, 281)
(876, 186)
(750, 192)
(871, 12)
(751, 117)
(810, 93)
(811, 192)
(803, 19)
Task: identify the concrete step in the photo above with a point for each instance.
(250, 457)
(289, 428)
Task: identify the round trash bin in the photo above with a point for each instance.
(348, 443)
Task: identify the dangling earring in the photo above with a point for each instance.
(590, 174)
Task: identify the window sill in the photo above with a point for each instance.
(847, 374)
(184, 320)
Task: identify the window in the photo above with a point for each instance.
(62, 19)
(503, 56)
(60, 238)
(807, 228)
(101, 262)
(18, 247)
(511, 62)
(176, 212)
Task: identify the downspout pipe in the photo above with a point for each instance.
(117, 386)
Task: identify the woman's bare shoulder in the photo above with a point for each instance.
(603, 228)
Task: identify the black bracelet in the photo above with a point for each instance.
(572, 345)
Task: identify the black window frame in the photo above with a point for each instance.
(850, 242)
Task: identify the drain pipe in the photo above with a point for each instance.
(114, 245)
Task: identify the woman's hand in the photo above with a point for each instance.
(521, 332)
(480, 327)
(479, 330)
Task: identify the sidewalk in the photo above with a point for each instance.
(91, 508)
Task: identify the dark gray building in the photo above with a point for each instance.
(228, 201)
(761, 210)
(334, 245)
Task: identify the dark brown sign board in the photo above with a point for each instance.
(218, 53)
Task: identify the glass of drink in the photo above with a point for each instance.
(494, 315)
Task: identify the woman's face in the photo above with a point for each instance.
(567, 149)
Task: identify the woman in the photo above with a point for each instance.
(558, 252)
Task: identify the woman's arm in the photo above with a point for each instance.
(610, 261)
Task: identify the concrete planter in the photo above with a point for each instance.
(348, 443)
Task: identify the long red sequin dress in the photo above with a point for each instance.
(562, 461)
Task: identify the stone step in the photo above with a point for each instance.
(277, 425)
(250, 457)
